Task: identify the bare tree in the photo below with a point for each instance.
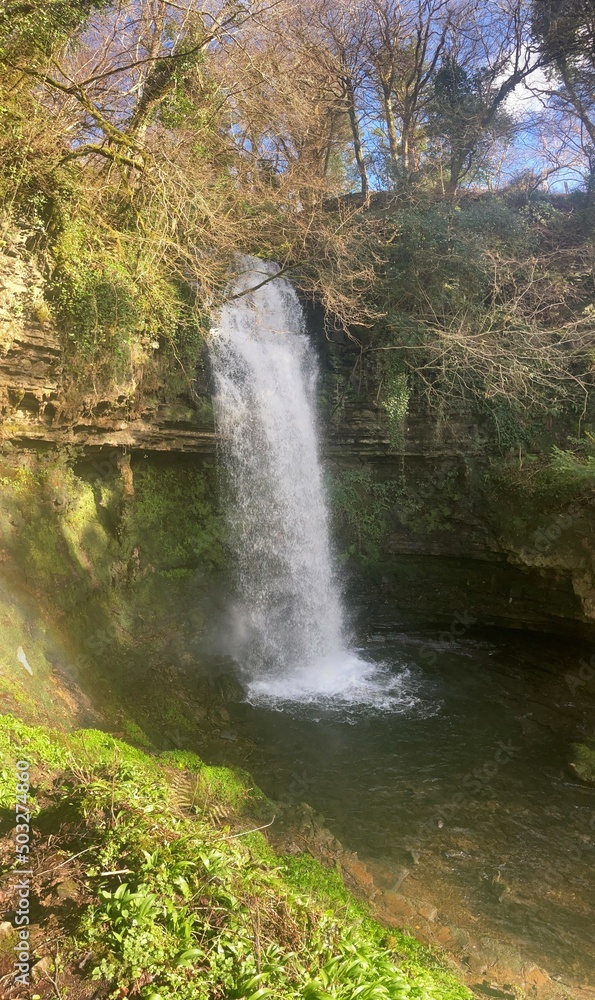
(404, 45)
(487, 56)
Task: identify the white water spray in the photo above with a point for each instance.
(288, 634)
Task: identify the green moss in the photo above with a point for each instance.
(107, 573)
(184, 760)
(308, 875)
(174, 715)
(583, 762)
(135, 734)
(175, 522)
(232, 786)
(21, 742)
(51, 525)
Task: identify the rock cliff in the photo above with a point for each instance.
(453, 540)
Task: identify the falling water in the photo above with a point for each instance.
(287, 631)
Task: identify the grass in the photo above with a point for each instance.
(149, 893)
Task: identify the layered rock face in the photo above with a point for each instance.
(37, 410)
(462, 540)
(453, 543)
(30, 351)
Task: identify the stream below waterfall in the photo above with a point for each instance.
(462, 799)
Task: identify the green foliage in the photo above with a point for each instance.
(575, 470)
(563, 24)
(441, 263)
(38, 26)
(141, 932)
(565, 32)
(552, 481)
(583, 762)
(134, 734)
(175, 521)
(229, 786)
(196, 912)
(458, 117)
(114, 311)
(324, 885)
(475, 299)
(21, 742)
(360, 504)
(544, 501)
(508, 427)
(396, 395)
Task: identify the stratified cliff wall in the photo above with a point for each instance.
(431, 523)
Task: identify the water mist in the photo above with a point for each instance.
(288, 632)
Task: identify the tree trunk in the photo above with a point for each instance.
(454, 175)
(391, 128)
(357, 144)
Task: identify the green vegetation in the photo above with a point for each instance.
(74, 529)
(583, 762)
(169, 903)
(544, 500)
(49, 522)
(306, 874)
(575, 468)
(113, 309)
(360, 505)
(365, 508)
(175, 520)
(396, 395)
(486, 307)
(106, 573)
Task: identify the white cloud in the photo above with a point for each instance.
(528, 97)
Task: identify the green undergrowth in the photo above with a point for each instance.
(534, 493)
(360, 505)
(175, 899)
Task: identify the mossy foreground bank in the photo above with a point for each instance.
(150, 879)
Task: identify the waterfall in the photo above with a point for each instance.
(287, 632)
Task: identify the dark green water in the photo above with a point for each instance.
(467, 790)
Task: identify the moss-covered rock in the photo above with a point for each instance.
(583, 762)
(173, 520)
(104, 575)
